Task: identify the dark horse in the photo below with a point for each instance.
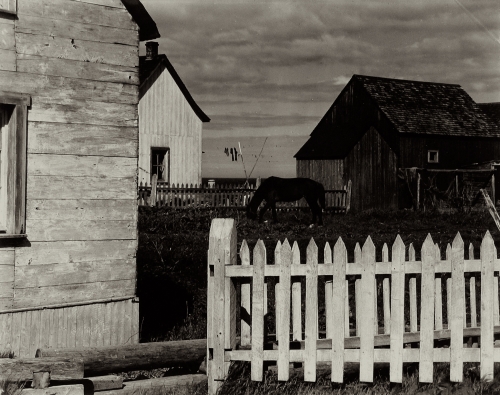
(275, 189)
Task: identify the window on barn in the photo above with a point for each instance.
(160, 163)
(13, 124)
(433, 156)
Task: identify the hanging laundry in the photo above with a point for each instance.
(226, 151)
(235, 155)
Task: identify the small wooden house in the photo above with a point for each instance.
(377, 126)
(170, 123)
(69, 94)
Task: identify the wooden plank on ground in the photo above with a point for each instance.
(311, 312)
(73, 389)
(104, 383)
(22, 369)
(160, 384)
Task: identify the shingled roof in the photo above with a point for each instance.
(411, 107)
(428, 107)
(492, 110)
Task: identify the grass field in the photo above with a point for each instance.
(172, 259)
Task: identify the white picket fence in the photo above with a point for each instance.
(442, 290)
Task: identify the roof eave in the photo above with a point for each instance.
(147, 26)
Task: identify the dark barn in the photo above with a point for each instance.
(377, 126)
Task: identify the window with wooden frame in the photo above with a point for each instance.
(433, 156)
(13, 127)
(160, 163)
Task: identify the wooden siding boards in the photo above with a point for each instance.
(329, 172)
(78, 61)
(166, 119)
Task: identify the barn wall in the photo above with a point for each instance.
(453, 151)
(329, 172)
(167, 120)
(78, 60)
(372, 168)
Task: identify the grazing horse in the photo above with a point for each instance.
(275, 189)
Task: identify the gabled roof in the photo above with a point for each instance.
(147, 26)
(492, 110)
(146, 71)
(411, 107)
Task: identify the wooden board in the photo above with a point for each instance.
(82, 166)
(7, 60)
(82, 139)
(107, 3)
(44, 253)
(7, 40)
(72, 29)
(75, 49)
(75, 69)
(87, 210)
(34, 297)
(160, 384)
(40, 85)
(22, 369)
(52, 230)
(76, 11)
(73, 273)
(88, 112)
(47, 187)
(73, 389)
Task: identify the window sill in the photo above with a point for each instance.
(12, 236)
(7, 12)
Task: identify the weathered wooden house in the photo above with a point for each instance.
(377, 126)
(170, 123)
(69, 94)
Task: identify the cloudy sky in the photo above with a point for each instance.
(272, 68)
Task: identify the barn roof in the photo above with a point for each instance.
(412, 107)
(492, 110)
(146, 71)
(147, 26)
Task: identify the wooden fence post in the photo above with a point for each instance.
(488, 255)
(221, 300)
(154, 181)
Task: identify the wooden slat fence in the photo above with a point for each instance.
(228, 196)
(399, 301)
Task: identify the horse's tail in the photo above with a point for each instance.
(322, 197)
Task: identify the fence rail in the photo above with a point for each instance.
(228, 196)
(366, 295)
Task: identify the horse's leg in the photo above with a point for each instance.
(315, 209)
(263, 210)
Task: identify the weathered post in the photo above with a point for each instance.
(221, 301)
(154, 182)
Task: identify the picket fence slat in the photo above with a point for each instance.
(427, 312)
(289, 346)
(366, 297)
(457, 309)
(259, 260)
(283, 322)
(296, 297)
(339, 292)
(311, 313)
(397, 322)
(488, 254)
